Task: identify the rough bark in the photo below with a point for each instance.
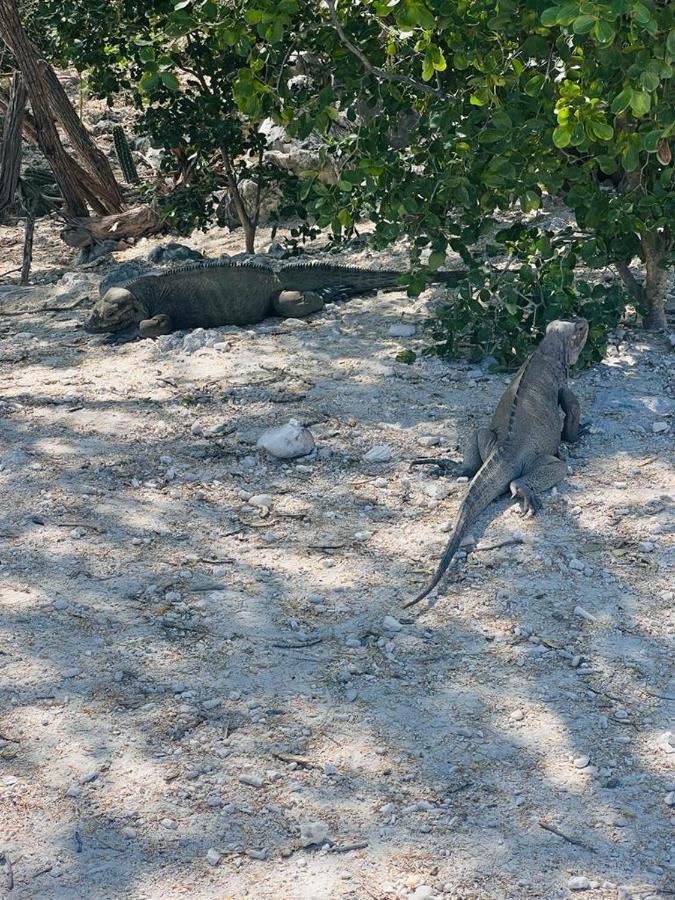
(247, 223)
(652, 295)
(28, 125)
(10, 148)
(78, 187)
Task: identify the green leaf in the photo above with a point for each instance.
(562, 136)
(640, 13)
(530, 201)
(631, 154)
(436, 259)
(474, 100)
(428, 68)
(640, 103)
(148, 82)
(603, 32)
(583, 24)
(649, 81)
(602, 130)
(344, 185)
(534, 85)
(650, 141)
(549, 17)
(170, 81)
(670, 43)
(622, 101)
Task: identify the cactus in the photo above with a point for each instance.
(127, 164)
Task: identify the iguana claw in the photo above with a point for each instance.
(527, 498)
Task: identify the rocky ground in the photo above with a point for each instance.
(208, 685)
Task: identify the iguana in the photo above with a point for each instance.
(520, 448)
(234, 292)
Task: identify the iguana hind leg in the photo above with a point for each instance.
(297, 304)
(544, 473)
(479, 444)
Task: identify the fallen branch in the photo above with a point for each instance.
(566, 837)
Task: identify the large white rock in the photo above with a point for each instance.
(287, 441)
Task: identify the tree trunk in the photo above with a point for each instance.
(656, 283)
(29, 132)
(10, 149)
(77, 186)
(248, 224)
(93, 159)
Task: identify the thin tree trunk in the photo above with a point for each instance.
(28, 245)
(10, 149)
(246, 223)
(656, 283)
(29, 132)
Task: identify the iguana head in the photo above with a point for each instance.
(116, 309)
(572, 334)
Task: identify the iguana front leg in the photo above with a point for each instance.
(544, 473)
(570, 406)
(297, 304)
(479, 445)
(152, 328)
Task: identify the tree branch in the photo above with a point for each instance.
(418, 86)
(635, 289)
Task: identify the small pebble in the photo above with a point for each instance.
(401, 330)
(669, 799)
(660, 427)
(423, 892)
(429, 440)
(252, 780)
(196, 428)
(581, 762)
(380, 453)
(389, 623)
(70, 673)
(261, 501)
(579, 883)
(59, 604)
(212, 856)
(517, 715)
(313, 833)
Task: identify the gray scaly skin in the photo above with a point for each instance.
(233, 292)
(520, 448)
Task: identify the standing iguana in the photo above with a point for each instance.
(520, 448)
(234, 292)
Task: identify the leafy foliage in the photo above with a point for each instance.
(504, 312)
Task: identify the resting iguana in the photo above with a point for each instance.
(520, 448)
(234, 292)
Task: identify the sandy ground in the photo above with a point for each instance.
(187, 680)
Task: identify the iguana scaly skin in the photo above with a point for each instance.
(234, 292)
(520, 448)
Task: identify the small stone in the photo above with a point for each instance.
(380, 453)
(437, 490)
(252, 780)
(423, 892)
(196, 428)
(402, 330)
(169, 824)
(576, 564)
(70, 673)
(287, 441)
(581, 762)
(647, 546)
(429, 440)
(667, 742)
(351, 694)
(669, 799)
(660, 427)
(74, 791)
(212, 856)
(59, 604)
(389, 623)
(313, 833)
(579, 883)
(517, 715)
(261, 501)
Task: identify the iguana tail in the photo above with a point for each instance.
(491, 480)
(317, 274)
